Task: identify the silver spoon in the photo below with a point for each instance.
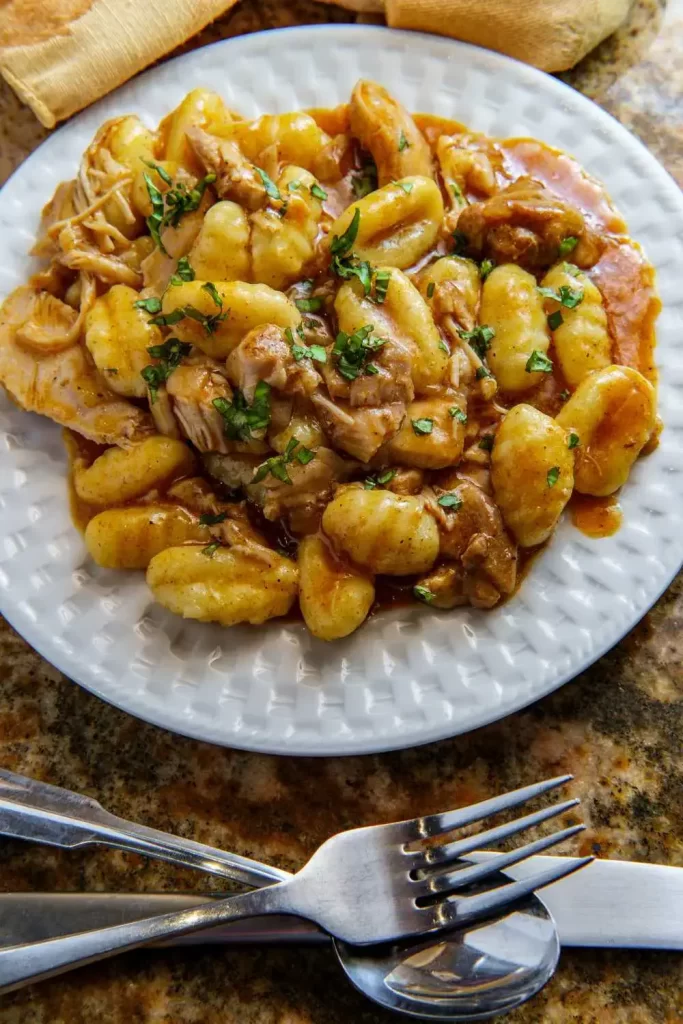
(473, 974)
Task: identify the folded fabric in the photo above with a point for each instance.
(61, 55)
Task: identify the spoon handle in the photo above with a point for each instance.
(42, 813)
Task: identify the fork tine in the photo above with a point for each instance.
(449, 881)
(459, 910)
(449, 852)
(438, 824)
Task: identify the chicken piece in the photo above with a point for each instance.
(361, 431)
(304, 499)
(393, 381)
(197, 496)
(233, 470)
(406, 481)
(265, 355)
(52, 326)
(472, 534)
(158, 267)
(192, 388)
(524, 224)
(236, 177)
(78, 254)
(64, 386)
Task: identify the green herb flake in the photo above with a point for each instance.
(161, 171)
(450, 501)
(568, 245)
(553, 475)
(155, 219)
(570, 268)
(169, 356)
(183, 272)
(308, 305)
(364, 181)
(422, 426)
(458, 414)
(151, 305)
(209, 323)
(482, 372)
(209, 287)
(568, 297)
(423, 594)
(272, 191)
(241, 420)
(380, 479)
(168, 319)
(458, 193)
(407, 186)
(538, 362)
(304, 456)
(564, 395)
(277, 464)
(382, 280)
(294, 185)
(318, 192)
(350, 266)
(430, 289)
(402, 142)
(353, 351)
(212, 519)
(444, 347)
(555, 320)
(480, 339)
(574, 440)
(315, 352)
(486, 443)
(341, 245)
(210, 549)
(485, 268)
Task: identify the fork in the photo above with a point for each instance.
(368, 885)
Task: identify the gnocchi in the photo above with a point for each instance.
(317, 355)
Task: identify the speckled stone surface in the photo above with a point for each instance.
(618, 728)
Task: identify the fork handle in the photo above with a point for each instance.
(23, 965)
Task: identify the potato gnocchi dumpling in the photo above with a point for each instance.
(532, 472)
(384, 532)
(335, 597)
(612, 414)
(290, 352)
(228, 585)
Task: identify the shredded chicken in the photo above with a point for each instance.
(393, 381)
(523, 224)
(236, 177)
(474, 538)
(192, 388)
(64, 385)
(302, 501)
(53, 325)
(265, 355)
(195, 494)
(361, 432)
(233, 470)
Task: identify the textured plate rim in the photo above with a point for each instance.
(44, 644)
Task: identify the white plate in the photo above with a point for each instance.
(406, 677)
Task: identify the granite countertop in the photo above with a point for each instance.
(618, 727)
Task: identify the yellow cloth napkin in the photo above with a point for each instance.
(61, 55)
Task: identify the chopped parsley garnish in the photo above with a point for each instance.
(555, 320)
(341, 245)
(564, 395)
(482, 372)
(402, 142)
(151, 305)
(211, 548)
(423, 594)
(458, 414)
(350, 266)
(183, 272)
(567, 245)
(538, 362)
(208, 322)
(272, 191)
(212, 519)
(240, 420)
(407, 186)
(480, 339)
(308, 305)
(574, 440)
(380, 480)
(277, 464)
(170, 355)
(168, 207)
(156, 198)
(444, 347)
(213, 292)
(423, 425)
(315, 352)
(458, 192)
(460, 242)
(570, 268)
(486, 443)
(318, 192)
(161, 171)
(553, 475)
(569, 297)
(485, 268)
(294, 185)
(430, 289)
(450, 501)
(364, 181)
(381, 280)
(353, 351)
